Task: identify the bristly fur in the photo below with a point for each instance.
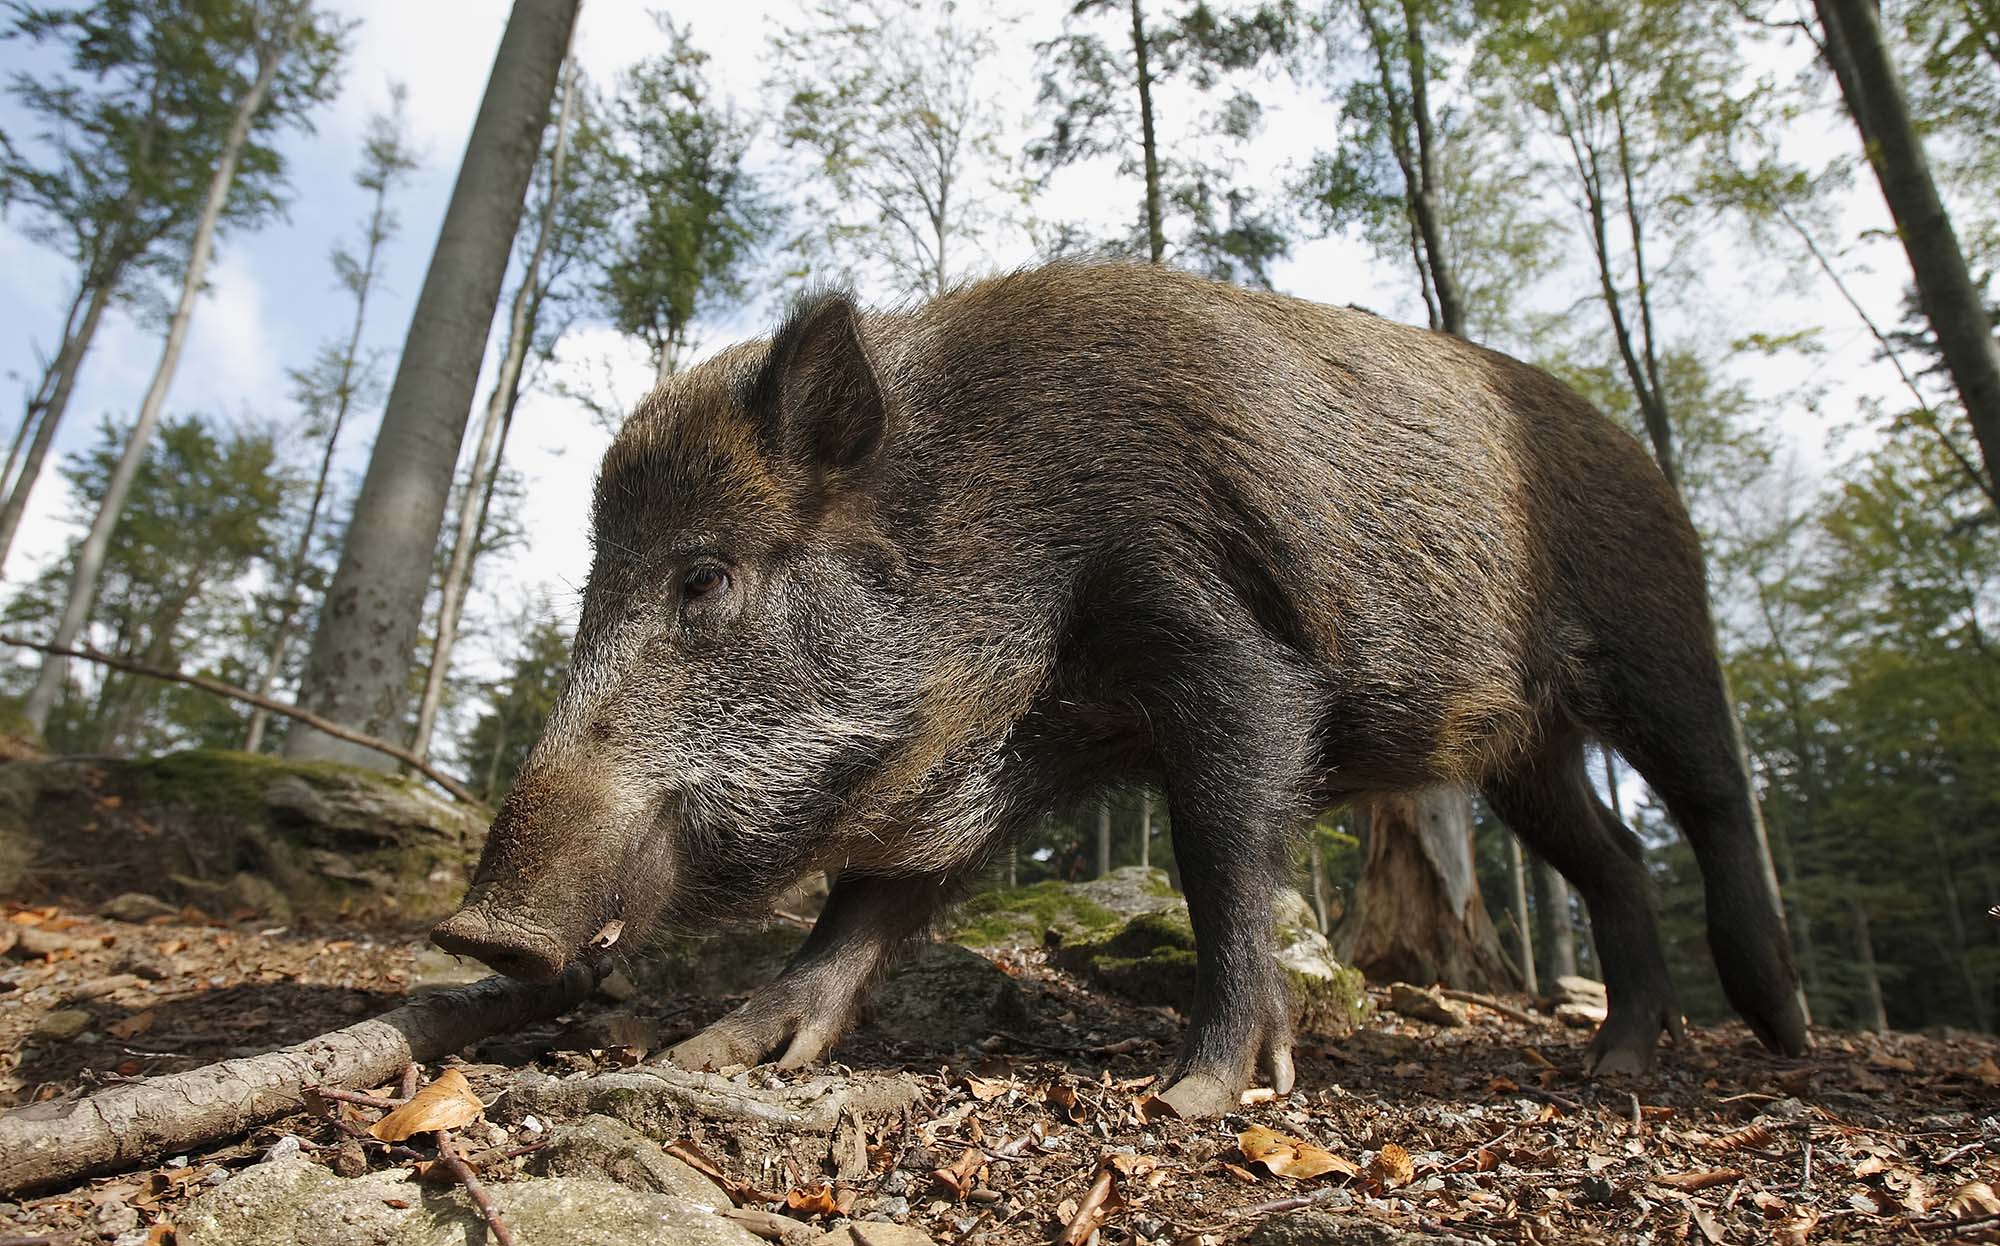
(1093, 525)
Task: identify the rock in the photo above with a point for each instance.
(63, 1024)
(732, 962)
(1032, 915)
(1581, 1016)
(1131, 890)
(437, 970)
(1293, 909)
(295, 1202)
(1421, 1005)
(1314, 1227)
(137, 908)
(947, 996)
(1151, 960)
(656, 1098)
(598, 1146)
(875, 1233)
(1571, 989)
(229, 831)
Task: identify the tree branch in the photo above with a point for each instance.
(234, 693)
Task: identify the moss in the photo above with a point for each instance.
(1330, 1006)
(1027, 914)
(227, 781)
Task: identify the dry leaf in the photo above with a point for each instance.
(1537, 1059)
(1986, 1072)
(986, 1090)
(1697, 1180)
(1238, 1171)
(1706, 1223)
(1502, 1085)
(131, 1027)
(963, 1174)
(1974, 1198)
(447, 1103)
(813, 1200)
(1793, 1232)
(1391, 1167)
(1289, 1157)
(1062, 1096)
(1748, 1136)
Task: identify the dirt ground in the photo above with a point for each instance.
(1481, 1132)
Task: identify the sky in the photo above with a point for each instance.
(272, 299)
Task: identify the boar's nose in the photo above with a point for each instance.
(506, 946)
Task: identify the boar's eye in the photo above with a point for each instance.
(704, 581)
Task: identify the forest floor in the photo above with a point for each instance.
(1404, 1131)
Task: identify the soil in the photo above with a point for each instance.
(1046, 1130)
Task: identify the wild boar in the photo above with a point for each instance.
(881, 592)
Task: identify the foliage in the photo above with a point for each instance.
(499, 742)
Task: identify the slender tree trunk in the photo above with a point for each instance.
(1013, 865)
(1418, 916)
(69, 362)
(1146, 828)
(1156, 238)
(1954, 924)
(1950, 298)
(90, 559)
(51, 373)
(1558, 936)
(358, 669)
(1517, 867)
(1103, 837)
(1424, 194)
(1316, 862)
(1871, 977)
(484, 469)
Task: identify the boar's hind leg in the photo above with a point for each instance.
(1234, 768)
(798, 1016)
(1549, 803)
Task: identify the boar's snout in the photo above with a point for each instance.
(506, 946)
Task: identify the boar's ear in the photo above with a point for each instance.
(817, 399)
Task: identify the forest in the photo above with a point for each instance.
(1762, 236)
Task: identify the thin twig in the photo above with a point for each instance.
(1474, 1152)
(234, 693)
(456, 1164)
(411, 1075)
(1491, 1005)
(360, 1099)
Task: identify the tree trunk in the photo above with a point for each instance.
(484, 469)
(1424, 194)
(1103, 837)
(1315, 862)
(1417, 914)
(1156, 238)
(1871, 978)
(90, 559)
(69, 362)
(1950, 298)
(1517, 868)
(1146, 829)
(1557, 936)
(359, 666)
(281, 641)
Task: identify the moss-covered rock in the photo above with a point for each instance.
(1150, 959)
(234, 831)
(1012, 916)
(729, 962)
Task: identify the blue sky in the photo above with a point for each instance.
(272, 298)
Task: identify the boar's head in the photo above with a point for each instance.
(741, 663)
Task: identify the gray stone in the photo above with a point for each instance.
(599, 1146)
(1421, 1005)
(656, 1098)
(1573, 989)
(875, 1234)
(1291, 908)
(1131, 890)
(1314, 1227)
(62, 1024)
(295, 1202)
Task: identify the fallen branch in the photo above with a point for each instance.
(456, 1165)
(234, 693)
(135, 1123)
(1488, 1003)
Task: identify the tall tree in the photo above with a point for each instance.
(1855, 50)
(483, 472)
(118, 173)
(884, 97)
(358, 670)
(1102, 84)
(339, 378)
(499, 740)
(271, 33)
(691, 214)
(203, 511)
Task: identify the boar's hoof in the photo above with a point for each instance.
(744, 1041)
(1202, 1095)
(1623, 1048)
(507, 947)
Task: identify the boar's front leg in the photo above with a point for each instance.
(800, 1014)
(1236, 756)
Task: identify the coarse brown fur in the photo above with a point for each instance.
(1094, 525)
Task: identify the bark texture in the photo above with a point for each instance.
(54, 1143)
(1418, 916)
(358, 670)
